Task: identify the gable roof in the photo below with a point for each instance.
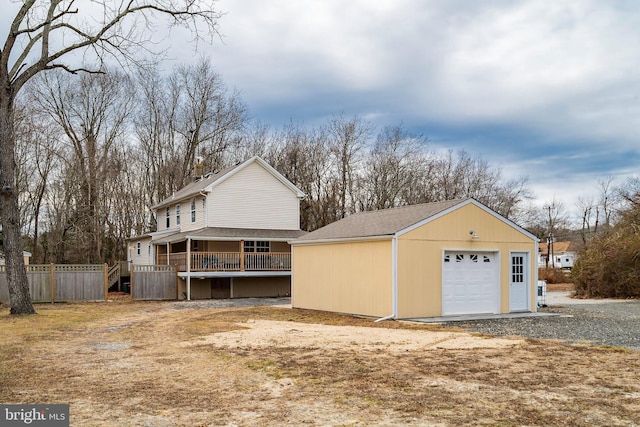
(210, 180)
(385, 222)
(389, 222)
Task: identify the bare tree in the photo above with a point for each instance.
(347, 140)
(304, 158)
(393, 162)
(557, 219)
(586, 207)
(190, 114)
(608, 203)
(92, 114)
(599, 213)
(630, 191)
(256, 140)
(42, 35)
(36, 144)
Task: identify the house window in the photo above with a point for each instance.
(193, 210)
(148, 249)
(138, 248)
(256, 246)
(177, 214)
(168, 217)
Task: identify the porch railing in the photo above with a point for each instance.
(179, 259)
(230, 261)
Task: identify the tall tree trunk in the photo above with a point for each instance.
(20, 299)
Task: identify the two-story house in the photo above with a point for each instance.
(227, 232)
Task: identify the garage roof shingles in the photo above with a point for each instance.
(384, 222)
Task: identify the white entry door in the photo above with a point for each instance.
(470, 283)
(519, 282)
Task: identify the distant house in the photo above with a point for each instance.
(227, 232)
(26, 256)
(560, 255)
(438, 259)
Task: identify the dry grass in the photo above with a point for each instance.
(130, 363)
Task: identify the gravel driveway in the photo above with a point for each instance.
(605, 322)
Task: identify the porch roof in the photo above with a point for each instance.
(234, 234)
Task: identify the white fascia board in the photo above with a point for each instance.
(462, 204)
(340, 240)
(140, 237)
(237, 239)
(207, 274)
(160, 233)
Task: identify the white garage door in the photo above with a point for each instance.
(470, 283)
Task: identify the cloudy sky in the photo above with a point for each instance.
(545, 89)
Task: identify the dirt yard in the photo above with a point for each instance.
(168, 364)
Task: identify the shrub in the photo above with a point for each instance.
(554, 275)
(610, 265)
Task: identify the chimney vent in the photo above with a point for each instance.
(198, 168)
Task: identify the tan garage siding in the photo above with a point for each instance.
(420, 253)
(352, 277)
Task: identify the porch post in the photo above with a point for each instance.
(188, 269)
(241, 255)
(168, 252)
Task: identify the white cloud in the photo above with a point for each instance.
(566, 65)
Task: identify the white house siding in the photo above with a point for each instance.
(185, 215)
(161, 218)
(146, 252)
(253, 198)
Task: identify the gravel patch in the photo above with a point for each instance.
(600, 322)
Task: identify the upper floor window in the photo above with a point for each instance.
(168, 217)
(193, 210)
(138, 246)
(256, 246)
(177, 214)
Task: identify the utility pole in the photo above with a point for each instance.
(550, 241)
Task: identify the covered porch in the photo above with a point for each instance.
(238, 254)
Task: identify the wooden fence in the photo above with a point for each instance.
(57, 282)
(154, 282)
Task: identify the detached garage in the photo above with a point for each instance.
(438, 259)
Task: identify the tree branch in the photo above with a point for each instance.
(100, 39)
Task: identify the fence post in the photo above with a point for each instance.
(105, 273)
(177, 284)
(52, 279)
(131, 274)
